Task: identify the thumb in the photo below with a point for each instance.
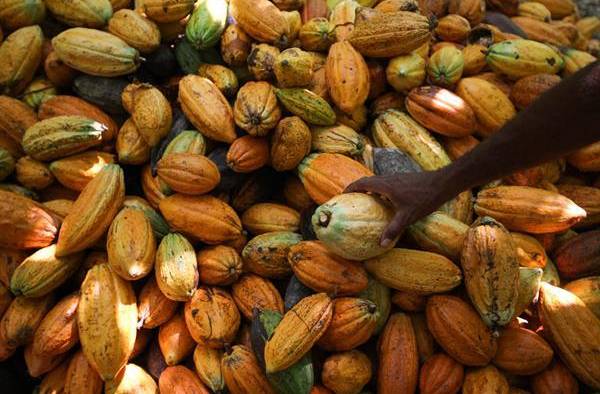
(394, 229)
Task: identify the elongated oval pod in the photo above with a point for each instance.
(323, 271)
(522, 58)
(42, 272)
(252, 291)
(395, 129)
(178, 380)
(61, 136)
(266, 254)
(20, 54)
(447, 316)
(21, 320)
(242, 373)
(176, 269)
(208, 367)
(175, 340)
(202, 217)
(154, 308)
(297, 332)
(262, 20)
(398, 358)
(206, 108)
(347, 76)
(58, 331)
(491, 271)
(130, 245)
(81, 377)
(93, 211)
(528, 209)
(107, 320)
(415, 271)
(95, 52)
(574, 330)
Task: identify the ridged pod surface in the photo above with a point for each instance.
(390, 34)
(188, 173)
(256, 109)
(206, 108)
(58, 330)
(398, 356)
(253, 291)
(95, 52)
(93, 211)
(242, 373)
(43, 272)
(323, 271)
(442, 111)
(61, 136)
(107, 320)
(325, 175)
(522, 352)
(20, 56)
(262, 20)
(90, 13)
(352, 324)
(179, 379)
(131, 245)
(25, 224)
(491, 106)
(486, 379)
(203, 217)
(76, 171)
(340, 225)
(396, 129)
(415, 271)
(63, 105)
(491, 269)
(347, 76)
(459, 330)
(521, 58)
(439, 233)
(441, 374)
(575, 331)
(528, 209)
(15, 14)
(176, 268)
(212, 317)
(298, 331)
(306, 104)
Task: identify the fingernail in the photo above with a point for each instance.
(385, 242)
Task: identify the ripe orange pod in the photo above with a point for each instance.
(248, 153)
(398, 357)
(353, 322)
(188, 173)
(441, 374)
(522, 352)
(174, 340)
(180, 380)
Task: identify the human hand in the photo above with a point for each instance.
(413, 195)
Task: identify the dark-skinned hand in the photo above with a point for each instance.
(413, 195)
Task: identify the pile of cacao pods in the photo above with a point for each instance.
(171, 208)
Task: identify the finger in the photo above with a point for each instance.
(368, 184)
(394, 229)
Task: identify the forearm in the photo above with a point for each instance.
(564, 119)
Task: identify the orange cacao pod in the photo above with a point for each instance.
(247, 154)
(252, 291)
(554, 380)
(188, 173)
(522, 352)
(446, 317)
(486, 379)
(323, 271)
(441, 111)
(347, 76)
(398, 357)
(219, 265)
(180, 380)
(174, 340)
(353, 322)
(212, 317)
(441, 374)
